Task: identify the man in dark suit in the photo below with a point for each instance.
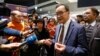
(96, 43)
(92, 28)
(73, 42)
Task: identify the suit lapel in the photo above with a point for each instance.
(57, 32)
(70, 29)
(94, 31)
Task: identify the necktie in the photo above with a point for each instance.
(60, 38)
(61, 34)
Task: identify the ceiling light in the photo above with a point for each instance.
(72, 1)
(1, 1)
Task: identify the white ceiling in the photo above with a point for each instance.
(71, 1)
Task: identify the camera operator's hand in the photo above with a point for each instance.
(9, 47)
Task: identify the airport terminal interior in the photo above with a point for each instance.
(49, 27)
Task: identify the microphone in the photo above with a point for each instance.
(3, 23)
(7, 31)
(29, 40)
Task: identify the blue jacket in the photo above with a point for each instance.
(75, 40)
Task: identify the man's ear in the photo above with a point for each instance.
(68, 12)
(95, 14)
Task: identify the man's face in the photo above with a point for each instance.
(89, 15)
(18, 17)
(62, 14)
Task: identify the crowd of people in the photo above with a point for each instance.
(61, 37)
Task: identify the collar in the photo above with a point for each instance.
(67, 22)
(93, 23)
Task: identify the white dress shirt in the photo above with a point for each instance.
(93, 23)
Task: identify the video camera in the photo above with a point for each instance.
(4, 19)
(4, 12)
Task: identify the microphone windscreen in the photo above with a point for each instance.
(31, 39)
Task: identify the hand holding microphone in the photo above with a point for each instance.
(29, 40)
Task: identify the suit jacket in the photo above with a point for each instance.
(75, 40)
(94, 44)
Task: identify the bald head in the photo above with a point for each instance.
(16, 16)
(16, 12)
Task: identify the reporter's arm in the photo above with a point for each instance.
(9, 47)
(4, 47)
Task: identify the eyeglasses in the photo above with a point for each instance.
(60, 12)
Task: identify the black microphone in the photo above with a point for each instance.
(29, 40)
(3, 23)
